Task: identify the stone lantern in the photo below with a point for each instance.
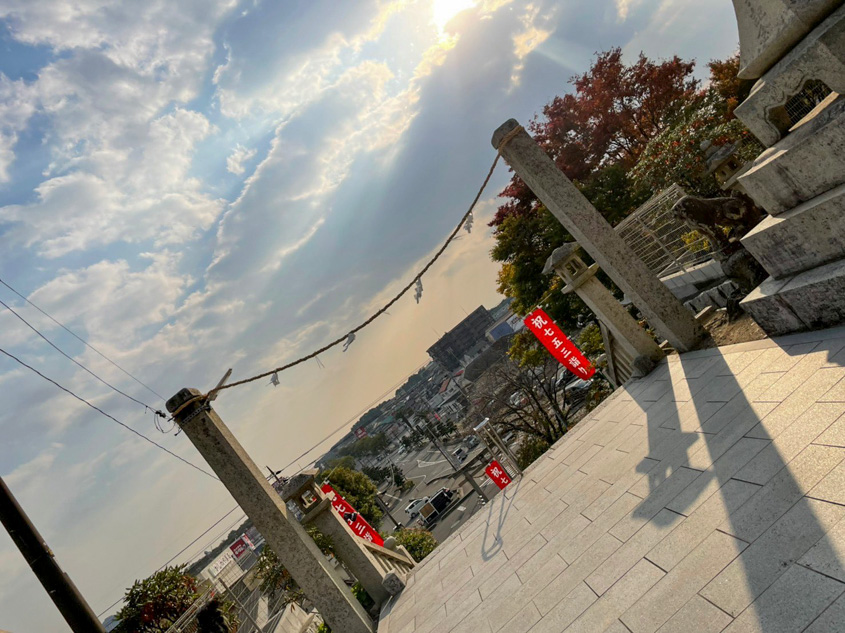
(630, 350)
(797, 50)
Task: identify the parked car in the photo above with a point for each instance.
(471, 442)
(413, 508)
(578, 386)
(564, 378)
(518, 399)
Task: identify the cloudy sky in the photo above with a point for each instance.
(200, 185)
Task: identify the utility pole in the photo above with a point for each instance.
(64, 594)
(384, 507)
(434, 439)
(274, 474)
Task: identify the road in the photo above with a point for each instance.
(422, 467)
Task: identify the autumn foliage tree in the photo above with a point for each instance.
(624, 132)
(614, 110)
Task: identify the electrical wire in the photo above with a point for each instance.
(109, 416)
(291, 463)
(158, 412)
(83, 341)
(180, 552)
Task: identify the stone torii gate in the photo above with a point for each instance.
(664, 312)
(297, 551)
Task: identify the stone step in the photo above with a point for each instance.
(805, 164)
(810, 300)
(810, 235)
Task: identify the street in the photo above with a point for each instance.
(429, 471)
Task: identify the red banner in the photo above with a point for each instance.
(554, 340)
(239, 548)
(358, 524)
(498, 474)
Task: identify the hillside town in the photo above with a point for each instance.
(615, 404)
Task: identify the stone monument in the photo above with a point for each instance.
(796, 50)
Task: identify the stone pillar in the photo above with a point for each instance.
(664, 312)
(581, 280)
(800, 179)
(317, 510)
(295, 549)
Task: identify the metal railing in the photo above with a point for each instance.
(664, 242)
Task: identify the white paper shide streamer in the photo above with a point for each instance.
(349, 340)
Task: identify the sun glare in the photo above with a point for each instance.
(444, 10)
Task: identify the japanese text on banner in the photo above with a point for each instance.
(554, 340)
(358, 524)
(498, 474)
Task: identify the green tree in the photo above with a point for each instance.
(347, 461)
(276, 579)
(359, 491)
(613, 192)
(523, 244)
(590, 341)
(376, 473)
(399, 479)
(419, 543)
(677, 155)
(152, 605)
(530, 449)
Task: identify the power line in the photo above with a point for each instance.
(80, 365)
(83, 341)
(189, 545)
(329, 436)
(109, 416)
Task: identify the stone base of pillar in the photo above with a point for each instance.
(810, 300)
(810, 235)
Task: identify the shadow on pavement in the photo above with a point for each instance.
(751, 537)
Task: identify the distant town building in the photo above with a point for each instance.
(467, 338)
(507, 324)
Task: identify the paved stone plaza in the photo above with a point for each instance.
(708, 496)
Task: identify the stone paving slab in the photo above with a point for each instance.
(708, 496)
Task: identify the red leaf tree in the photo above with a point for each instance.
(612, 114)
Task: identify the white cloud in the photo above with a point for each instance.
(16, 107)
(623, 8)
(170, 41)
(126, 194)
(536, 29)
(236, 160)
(97, 298)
